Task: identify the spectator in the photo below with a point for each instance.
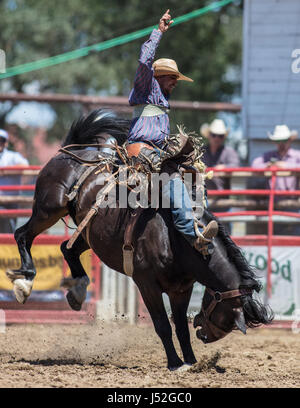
(219, 156)
(216, 154)
(283, 157)
(9, 158)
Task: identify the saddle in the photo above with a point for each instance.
(179, 156)
(179, 153)
(135, 149)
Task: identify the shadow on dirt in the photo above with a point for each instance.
(60, 362)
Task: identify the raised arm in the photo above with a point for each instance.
(144, 73)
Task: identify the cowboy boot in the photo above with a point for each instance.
(205, 237)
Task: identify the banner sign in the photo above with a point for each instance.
(285, 265)
(48, 261)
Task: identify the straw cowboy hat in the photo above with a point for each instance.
(282, 133)
(216, 127)
(166, 66)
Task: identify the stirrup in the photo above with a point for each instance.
(205, 250)
(201, 240)
(201, 244)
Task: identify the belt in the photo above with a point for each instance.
(149, 110)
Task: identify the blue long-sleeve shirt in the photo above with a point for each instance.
(146, 90)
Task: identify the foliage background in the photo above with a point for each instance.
(207, 48)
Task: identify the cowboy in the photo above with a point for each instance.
(153, 84)
(283, 157)
(216, 154)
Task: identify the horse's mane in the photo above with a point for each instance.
(255, 312)
(86, 129)
(235, 255)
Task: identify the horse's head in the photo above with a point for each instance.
(228, 302)
(221, 313)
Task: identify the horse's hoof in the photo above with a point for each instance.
(183, 368)
(22, 289)
(73, 302)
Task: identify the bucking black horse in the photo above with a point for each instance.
(164, 262)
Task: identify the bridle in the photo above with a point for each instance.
(217, 298)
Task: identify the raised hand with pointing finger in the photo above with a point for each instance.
(165, 22)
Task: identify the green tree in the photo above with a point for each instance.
(206, 49)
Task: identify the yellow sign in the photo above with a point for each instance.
(48, 261)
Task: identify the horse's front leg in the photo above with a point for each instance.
(153, 300)
(23, 277)
(179, 304)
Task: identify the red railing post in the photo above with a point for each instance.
(270, 231)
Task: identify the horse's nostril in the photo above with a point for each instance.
(201, 336)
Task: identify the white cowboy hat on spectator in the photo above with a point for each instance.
(216, 127)
(282, 133)
(3, 134)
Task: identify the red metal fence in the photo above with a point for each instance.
(269, 240)
(52, 312)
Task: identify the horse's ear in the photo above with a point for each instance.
(240, 320)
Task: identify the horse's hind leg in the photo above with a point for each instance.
(179, 304)
(77, 285)
(40, 220)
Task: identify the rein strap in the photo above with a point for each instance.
(80, 159)
(217, 298)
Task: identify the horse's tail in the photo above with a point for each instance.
(86, 129)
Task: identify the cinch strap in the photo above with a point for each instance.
(149, 110)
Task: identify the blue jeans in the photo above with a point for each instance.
(181, 207)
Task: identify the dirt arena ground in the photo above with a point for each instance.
(120, 355)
